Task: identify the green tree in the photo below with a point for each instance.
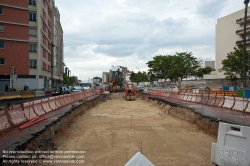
(157, 67)
(132, 77)
(151, 77)
(172, 72)
(65, 79)
(139, 77)
(187, 65)
(171, 67)
(201, 71)
(68, 80)
(232, 66)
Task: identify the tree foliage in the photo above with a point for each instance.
(68, 80)
(232, 66)
(181, 65)
(201, 71)
(139, 77)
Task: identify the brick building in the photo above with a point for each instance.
(31, 43)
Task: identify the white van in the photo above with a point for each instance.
(86, 85)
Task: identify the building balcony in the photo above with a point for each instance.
(241, 31)
(241, 41)
(241, 20)
(248, 50)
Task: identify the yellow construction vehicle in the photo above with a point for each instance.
(116, 83)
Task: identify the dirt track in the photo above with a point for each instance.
(106, 135)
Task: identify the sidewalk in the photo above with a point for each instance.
(212, 112)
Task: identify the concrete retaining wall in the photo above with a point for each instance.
(207, 82)
(209, 126)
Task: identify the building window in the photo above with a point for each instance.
(2, 61)
(32, 32)
(1, 28)
(32, 47)
(49, 24)
(44, 15)
(50, 14)
(1, 11)
(44, 41)
(49, 68)
(44, 66)
(49, 57)
(44, 27)
(49, 46)
(32, 2)
(44, 53)
(33, 63)
(1, 44)
(32, 16)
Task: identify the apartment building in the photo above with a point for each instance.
(209, 64)
(229, 32)
(105, 78)
(31, 44)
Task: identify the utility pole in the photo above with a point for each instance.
(245, 51)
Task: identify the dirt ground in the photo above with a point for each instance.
(105, 133)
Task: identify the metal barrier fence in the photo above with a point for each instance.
(213, 99)
(13, 120)
(228, 107)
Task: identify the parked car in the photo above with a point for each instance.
(70, 88)
(77, 89)
(57, 91)
(86, 86)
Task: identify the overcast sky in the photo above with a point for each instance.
(102, 33)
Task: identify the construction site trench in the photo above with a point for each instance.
(111, 130)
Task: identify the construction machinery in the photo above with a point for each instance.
(116, 83)
(130, 92)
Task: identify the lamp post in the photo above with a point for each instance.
(244, 55)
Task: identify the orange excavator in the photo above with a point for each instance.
(116, 83)
(130, 92)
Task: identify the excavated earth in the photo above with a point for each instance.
(110, 134)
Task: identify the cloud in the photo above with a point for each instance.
(99, 34)
(115, 50)
(210, 8)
